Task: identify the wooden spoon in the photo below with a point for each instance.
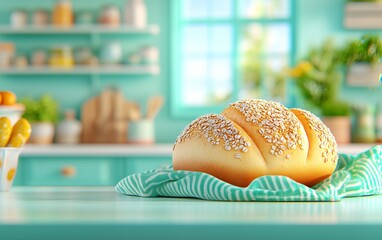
(154, 105)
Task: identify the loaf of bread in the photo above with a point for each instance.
(253, 138)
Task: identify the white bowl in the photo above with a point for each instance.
(13, 112)
(9, 158)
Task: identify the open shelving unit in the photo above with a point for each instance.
(79, 29)
(84, 70)
(363, 15)
(94, 31)
(164, 149)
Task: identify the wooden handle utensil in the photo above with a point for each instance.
(155, 103)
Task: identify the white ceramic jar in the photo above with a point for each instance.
(69, 130)
(136, 13)
(150, 54)
(110, 16)
(111, 53)
(141, 131)
(19, 18)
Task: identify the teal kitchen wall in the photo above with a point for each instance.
(316, 20)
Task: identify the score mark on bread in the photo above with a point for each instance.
(253, 138)
(215, 128)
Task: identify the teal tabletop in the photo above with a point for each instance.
(102, 213)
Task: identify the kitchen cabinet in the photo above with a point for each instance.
(138, 165)
(64, 171)
(99, 164)
(87, 165)
(82, 171)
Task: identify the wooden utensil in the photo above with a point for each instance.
(133, 111)
(154, 105)
(88, 115)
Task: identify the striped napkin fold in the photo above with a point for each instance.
(355, 175)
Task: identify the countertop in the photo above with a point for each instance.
(102, 213)
(133, 150)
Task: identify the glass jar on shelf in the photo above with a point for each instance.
(378, 124)
(63, 14)
(111, 53)
(150, 54)
(19, 18)
(82, 55)
(38, 57)
(136, 13)
(84, 18)
(364, 123)
(61, 56)
(110, 16)
(40, 17)
(69, 129)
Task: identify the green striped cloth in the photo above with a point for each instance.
(355, 175)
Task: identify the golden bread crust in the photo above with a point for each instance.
(253, 138)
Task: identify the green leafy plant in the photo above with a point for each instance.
(367, 49)
(43, 109)
(336, 108)
(318, 75)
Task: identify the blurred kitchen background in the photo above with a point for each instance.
(106, 72)
(139, 71)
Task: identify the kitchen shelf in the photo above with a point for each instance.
(153, 150)
(134, 150)
(363, 15)
(91, 29)
(82, 70)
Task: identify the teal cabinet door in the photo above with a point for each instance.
(70, 171)
(137, 165)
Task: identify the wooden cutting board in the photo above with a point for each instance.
(104, 119)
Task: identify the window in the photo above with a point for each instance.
(224, 50)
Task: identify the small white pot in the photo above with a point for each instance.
(42, 133)
(141, 131)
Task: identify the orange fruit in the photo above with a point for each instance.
(8, 98)
(0, 99)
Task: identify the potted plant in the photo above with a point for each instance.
(336, 116)
(318, 77)
(362, 57)
(42, 113)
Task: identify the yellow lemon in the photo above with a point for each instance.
(20, 133)
(5, 131)
(17, 140)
